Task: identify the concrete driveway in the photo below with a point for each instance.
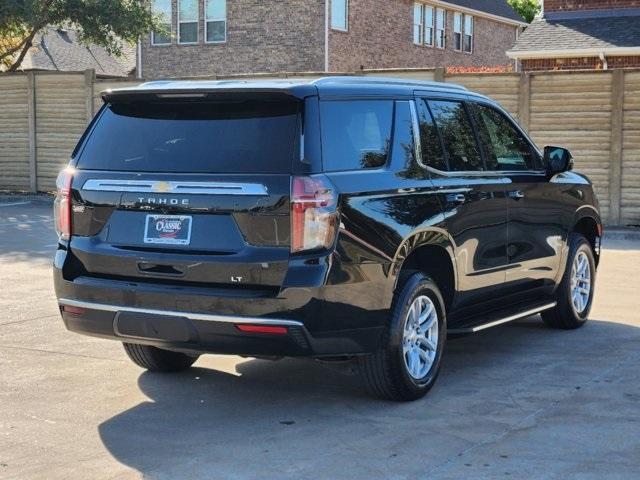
(518, 401)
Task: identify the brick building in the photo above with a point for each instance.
(581, 35)
(220, 37)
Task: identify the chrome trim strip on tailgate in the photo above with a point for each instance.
(511, 318)
(207, 317)
(153, 186)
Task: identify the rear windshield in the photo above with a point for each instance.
(203, 137)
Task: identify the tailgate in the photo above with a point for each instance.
(187, 193)
(212, 237)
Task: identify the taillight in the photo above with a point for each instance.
(62, 204)
(314, 215)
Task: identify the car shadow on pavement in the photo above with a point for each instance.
(289, 418)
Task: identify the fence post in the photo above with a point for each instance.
(31, 112)
(615, 158)
(524, 100)
(89, 76)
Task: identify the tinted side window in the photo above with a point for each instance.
(403, 146)
(432, 153)
(355, 133)
(505, 147)
(458, 137)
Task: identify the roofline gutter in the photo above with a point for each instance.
(574, 52)
(139, 59)
(326, 35)
(478, 13)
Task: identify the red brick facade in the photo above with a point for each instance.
(584, 63)
(262, 36)
(564, 5)
(384, 40)
(277, 36)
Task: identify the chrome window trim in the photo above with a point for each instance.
(484, 173)
(161, 187)
(415, 125)
(207, 317)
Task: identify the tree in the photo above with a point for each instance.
(107, 23)
(527, 9)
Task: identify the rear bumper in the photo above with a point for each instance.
(186, 331)
(206, 320)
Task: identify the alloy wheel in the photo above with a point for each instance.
(420, 337)
(580, 282)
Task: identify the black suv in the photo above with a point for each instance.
(335, 218)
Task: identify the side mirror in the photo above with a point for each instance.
(557, 160)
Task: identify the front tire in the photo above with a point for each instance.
(407, 363)
(158, 360)
(575, 292)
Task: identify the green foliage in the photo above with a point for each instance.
(107, 23)
(527, 9)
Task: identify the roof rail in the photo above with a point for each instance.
(360, 80)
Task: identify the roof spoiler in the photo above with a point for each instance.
(198, 93)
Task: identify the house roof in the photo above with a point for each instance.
(498, 8)
(579, 34)
(59, 49)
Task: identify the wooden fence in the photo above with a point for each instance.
(595, 114)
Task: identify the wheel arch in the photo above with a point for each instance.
(432, 253)
(588, 223)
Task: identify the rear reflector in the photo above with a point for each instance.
(73, 310)
(268, 329)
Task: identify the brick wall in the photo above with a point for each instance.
(277, 36)
(381, 36)
(582, 63)
(262, 36)
(563, 5)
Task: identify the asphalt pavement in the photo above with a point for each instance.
(517, 401)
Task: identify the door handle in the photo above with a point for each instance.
(516, 194)
(456, 198)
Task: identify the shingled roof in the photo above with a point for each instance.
(499, 8)
(609, 30)
(59, 49)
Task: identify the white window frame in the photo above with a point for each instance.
(197, 22)
(443, 29)
(467, 34)
(431, 27)
(419, 23)
(458, 19)
(346, 17)
(170, 34)
(207, 20)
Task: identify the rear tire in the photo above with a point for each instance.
(573, 300)
(158, 360)
(407, 363)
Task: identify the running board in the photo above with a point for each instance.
(483, 326)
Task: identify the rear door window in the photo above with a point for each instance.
(194, 137)
(458, 136)
(356, 134)
(431, 146)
